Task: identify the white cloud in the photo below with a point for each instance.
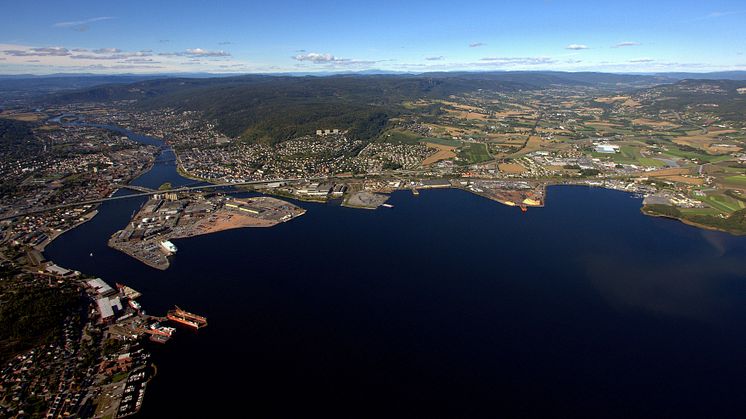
(438, 58)
(80, 22)
(110, 54)
(316, 57)
(576, 46)
(715, 15)
(518, 61)
(627, 44)
(332, 61)
(81, 25)
(476, 44)
(139, 60)
(196, 52)
(106, 51)
(205, 53)
(39, 52)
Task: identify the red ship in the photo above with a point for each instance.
(184, 317)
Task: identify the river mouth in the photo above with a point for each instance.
(447, 303)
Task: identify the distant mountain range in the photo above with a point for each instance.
(26, 84)
(125, 77)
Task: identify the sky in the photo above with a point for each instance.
(44, 37)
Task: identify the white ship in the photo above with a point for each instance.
(169, 247)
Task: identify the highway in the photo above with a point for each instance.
(153, 192)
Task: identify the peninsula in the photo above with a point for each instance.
(170, 216)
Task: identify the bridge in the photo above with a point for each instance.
(135, 188)
(142, 191)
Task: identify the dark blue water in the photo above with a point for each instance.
(446, 305)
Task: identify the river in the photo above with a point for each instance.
(447, 304)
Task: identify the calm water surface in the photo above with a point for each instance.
(446, 305)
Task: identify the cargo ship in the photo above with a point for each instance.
(169, 247)
(184, 317)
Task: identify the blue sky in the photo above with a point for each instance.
(278, 36)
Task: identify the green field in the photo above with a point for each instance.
(700, 211)
(724, 203)
(646, 161)
(400, 136)
(630, 154)
(676, 152)
(409, 137)
(474, 153)
(738, 179)
(442, 141)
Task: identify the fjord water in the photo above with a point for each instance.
(446, 305)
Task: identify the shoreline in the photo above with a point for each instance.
(94, 211)
(690, 223)
(88, 217)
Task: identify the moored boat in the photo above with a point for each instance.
(186, 318)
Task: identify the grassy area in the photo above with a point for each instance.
(474, 153)
(400, 136)
(119, 377)
(700, 211)
(734, 223)
(165, 186)
(723, 203)
(738, 179)
(646, 161)
(409, 137)
(630, 154)
(442, 141)
(676, 152)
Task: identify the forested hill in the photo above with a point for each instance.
(17, 139)
(272, 108)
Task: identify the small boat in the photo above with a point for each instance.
(159, 338)
(387, 205)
